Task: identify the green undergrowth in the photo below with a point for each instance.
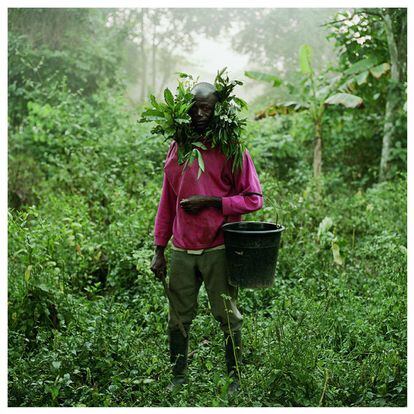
(87, 320)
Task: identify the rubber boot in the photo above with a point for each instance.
(178, 357)
(232, 354)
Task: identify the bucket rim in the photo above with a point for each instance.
(276, 230)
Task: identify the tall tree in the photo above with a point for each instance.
(163, 36)
(364, 39)
(272, 36)
(143, 55)
(313, 96)
(54, 45)
(397, 60)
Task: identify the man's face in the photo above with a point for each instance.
(202, 111)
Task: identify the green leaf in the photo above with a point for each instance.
(324, 226)
(361, 65)
(200, 145)
(362, 77)
(266, 77)
(336, 254)
(241, 102)
(54, 391)
(220, 73)
(182, 120)
(346, 99)
(152, 112)
(56, 364)
(151, 115)
(200, 160)
(193, 155)
(378, 71)
(305, 59)
(184, 75)
(282, 108)
(27, 273)
(169, 98)
(153, 101)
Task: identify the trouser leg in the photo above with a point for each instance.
(184, 285)
(213, 267)
(233, 352)
(178, 345)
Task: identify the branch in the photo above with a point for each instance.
(338, 21)
(355, 12)
(371, 13)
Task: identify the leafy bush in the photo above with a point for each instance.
(273, 147)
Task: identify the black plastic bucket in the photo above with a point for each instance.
(252, 248)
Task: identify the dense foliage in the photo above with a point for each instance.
(173, 121)
(86, 317)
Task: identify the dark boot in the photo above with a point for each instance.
(178, 356)
(233, 359)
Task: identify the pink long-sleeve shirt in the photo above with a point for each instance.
(203, 229)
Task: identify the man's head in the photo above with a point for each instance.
(205, 97)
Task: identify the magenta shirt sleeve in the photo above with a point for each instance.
(166, 212)
(246, 181)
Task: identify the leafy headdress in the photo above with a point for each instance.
(173, 121)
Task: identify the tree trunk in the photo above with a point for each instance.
(391, 108)
(143, 58)
(402, 48)
(317, 150)
(393, 99)
(154, 47)
(168, 65)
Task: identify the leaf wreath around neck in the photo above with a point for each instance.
(172, 120)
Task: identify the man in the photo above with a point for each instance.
(192, 211)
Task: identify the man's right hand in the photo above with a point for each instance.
(159, 264)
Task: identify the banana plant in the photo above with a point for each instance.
(315, 98)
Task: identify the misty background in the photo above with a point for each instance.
(147, 47)
(202, 41)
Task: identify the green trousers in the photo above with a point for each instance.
(186, 274)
